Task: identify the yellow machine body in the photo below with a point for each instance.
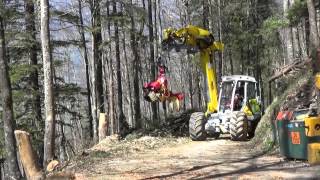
(314, 153)
(317, 79)
(312, 126)
(195, 37)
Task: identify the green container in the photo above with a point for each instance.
(292, 139)
(282, 132)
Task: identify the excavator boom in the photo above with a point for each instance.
(196, 39)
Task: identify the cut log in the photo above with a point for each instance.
(103, 126)
(285, 70)
(28, 158)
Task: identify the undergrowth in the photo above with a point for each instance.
(265, 135)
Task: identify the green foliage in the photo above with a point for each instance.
(297, 11)
(273, 24)
(20, 71)
(100, 154)
(19, 95)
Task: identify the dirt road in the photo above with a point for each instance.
(221, 159)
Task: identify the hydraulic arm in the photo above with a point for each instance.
(195, 39)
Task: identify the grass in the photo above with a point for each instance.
(100, 154)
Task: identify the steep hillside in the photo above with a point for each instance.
(299, 95)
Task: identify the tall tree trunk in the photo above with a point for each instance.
(231, 62)
(86, 61)
(159, 19)
(205, 20)
(151, 47)
(136, 68)
(221, 55)
(34, 81)
(190, 75)
(7, 114)
(97, 61)
(314, 35)
(127, 75)
(112, 124)
(121, 122)
(288, 35)
(49, 136)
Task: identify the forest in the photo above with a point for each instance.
(74, 72)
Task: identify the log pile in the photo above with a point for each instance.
(177, 125)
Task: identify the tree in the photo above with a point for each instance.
(110, 80)
(7, 116)
(97, 62)
(136, 67)
(314, 36)
(49, 136)
(34, 80)
(151, 49)
(122, 125)
(86, 60)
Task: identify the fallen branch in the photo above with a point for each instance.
(289, 68)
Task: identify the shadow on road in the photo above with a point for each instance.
(195, 168)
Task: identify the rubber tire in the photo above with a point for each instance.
(238, 126)
(196, 127)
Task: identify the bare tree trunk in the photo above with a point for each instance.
(231, 63)
(2, 162)
(49, 136)
(242, 61)
(221, 55)
(205, 20)
(314, 35)
(151, 47)
(159, 19)
(198, 81)
(111, 98)
(136, 71)
(28, 158)
(302, 38)
(122, 122)
(190, 75)
(34, 81)
(97, 61)
(7, 114)
(128, 75)
(86, 61)
(288, 35)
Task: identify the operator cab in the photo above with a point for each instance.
(235, 91)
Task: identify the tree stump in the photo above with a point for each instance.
(103, 126)
(28, 158)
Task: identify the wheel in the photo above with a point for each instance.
(196, 126)
(238, 126)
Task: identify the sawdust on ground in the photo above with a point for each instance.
(184, 159)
